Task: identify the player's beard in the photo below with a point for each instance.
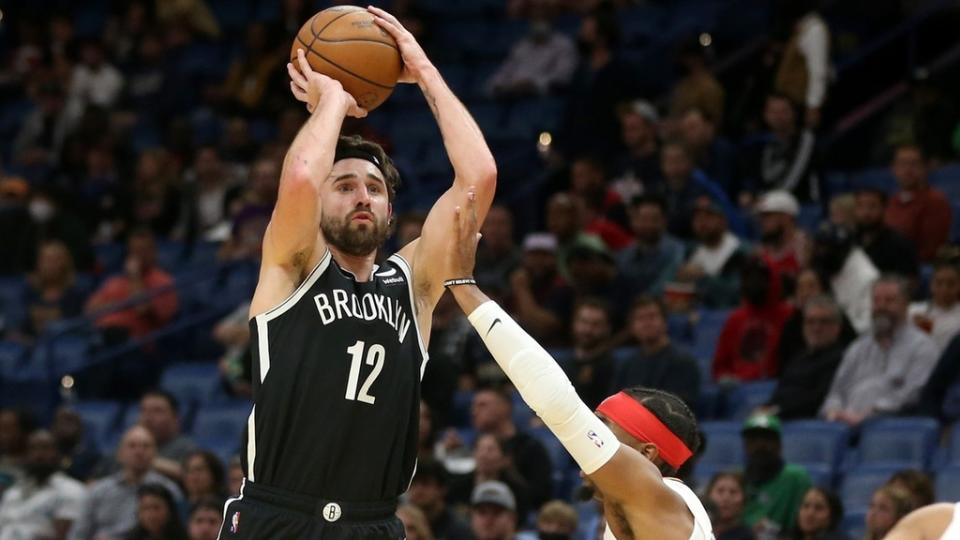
(357, 241)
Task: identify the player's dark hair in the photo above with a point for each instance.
(356, 143)
(673, 412)
(164, 395)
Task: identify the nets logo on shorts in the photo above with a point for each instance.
(332, 512)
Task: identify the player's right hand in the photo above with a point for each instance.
(310, 87)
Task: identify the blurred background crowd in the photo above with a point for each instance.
(750, 203)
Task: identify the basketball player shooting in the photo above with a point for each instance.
(338, 341)
(627, 450)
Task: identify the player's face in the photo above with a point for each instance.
(204, 525)
(814, 514)
(355, 217)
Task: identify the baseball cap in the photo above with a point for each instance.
(540, 242)
(781, 202)
(590, 248)
(762, 422)
(645, 109)
(495, 493)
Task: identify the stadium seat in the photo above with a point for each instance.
(559, 457)
(224, 448)
(879, 178)
(99, 419)
(821, 474)
(904, 442)
(746, 397)
(12, 309)
(811, 441)
(948, 484)
(224, 421)
(65, 354)
(723, 445)
(12, 356)
(192, 382)
(854, 523)
(859, 484)
(622, 356)
(947, 180)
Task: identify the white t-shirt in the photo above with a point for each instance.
(28, 511)
(702, 528)
(946, 322)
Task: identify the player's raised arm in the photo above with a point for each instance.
(472, 161)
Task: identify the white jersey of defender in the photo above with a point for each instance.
(953, 530)
(702, 528)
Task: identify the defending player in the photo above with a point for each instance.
(338, 341)
(636, 439)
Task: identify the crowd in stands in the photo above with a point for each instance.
(658, 226)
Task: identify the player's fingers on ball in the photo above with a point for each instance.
(302, 61)
(295, 75)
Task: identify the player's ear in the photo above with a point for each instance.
(651, 452)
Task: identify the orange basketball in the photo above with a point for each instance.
(345, 43)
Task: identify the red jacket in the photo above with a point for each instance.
(923, 217)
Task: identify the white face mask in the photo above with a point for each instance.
(41, 210)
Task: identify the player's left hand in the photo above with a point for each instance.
(415, 61)
(463, 252)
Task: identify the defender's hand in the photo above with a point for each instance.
(463, 252)
(415, 61)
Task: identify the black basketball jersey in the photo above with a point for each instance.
(337, 369)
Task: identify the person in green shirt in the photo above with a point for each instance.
(775, 488)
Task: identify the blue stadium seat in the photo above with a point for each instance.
(559, 457)
(812, 441)
(951, 453)
(12, 309)
(746, 397)
(707, 331)
(821, 474)
(724, 446)
(710, 401)
(222, 421)
(854, 523)
(109, 256)
(879, 178)
(947, 180)
(460, 415)
(905, 442)
(859, 484)
(948, 484)
(192, 383)
(65, 354)
(224, 448)
(99, 419)
(810, 217)
(12, 356)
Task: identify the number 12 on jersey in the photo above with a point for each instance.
(375, 356)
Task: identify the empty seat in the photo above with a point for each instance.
(194, 382)
(948, 484)
(854, 523)
(222, 421)
(12, 355)
(748, 396)
(812, 441)
(99, 419)
(821, 474)
(905, 442)
(723, 445)
(859, 484)
(68, 354)
(879, 178)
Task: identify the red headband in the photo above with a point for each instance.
(636, 420)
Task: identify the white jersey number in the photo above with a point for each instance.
(375, 357)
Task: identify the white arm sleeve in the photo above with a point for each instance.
(545, 388)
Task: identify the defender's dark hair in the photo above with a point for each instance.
(356, 143)
(673, 412)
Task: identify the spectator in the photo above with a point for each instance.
(111, 506)
(556, 520)
(17, 251)
(917, 483)
(541, 300)
(843, 211)
(712, 154)
(491, 413)
(806, 376)
(786, 155)
(565, 222)
(539, 63)
(51, 294)
(193, 15)
(492, 463)
(206, 517)
(917, 211)
(775, 488)
(804, 67)
(203, 477)
(849, 271)
(819, 518)
(426, 434)
(781, 241)
(450, 337)
(75, 443)
(42, 134)
(249, 77)
(50, 218)
(605, 214)
(160, 414)
(94, 81)
(208, 188)
(639, 168)
(155, 198)
(100, 192)
(44, 502)
(233, 334)
(940, 397)
(808, 286)
(415, 523)
(15, 425)
(698, 88)
(157, 517)
(888, 250)
(654, 258)
(682, 185)
(725, 496)
(497, 254)
(883, 371)
(748, 346)
(940, 316)
(659, 363)
(888, 505)
(428, 492)
(143, 281)
(493, 513)
(592, 369)
(234, 476)
(409, 226)
(715, 262)
(593, 272)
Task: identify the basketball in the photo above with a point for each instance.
(344, 43)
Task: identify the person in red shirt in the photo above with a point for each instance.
(748, 347)
(918, 212)
(605, 213)
(141, 278)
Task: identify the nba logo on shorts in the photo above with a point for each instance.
(235, 523)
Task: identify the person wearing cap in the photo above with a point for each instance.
(640, 165)
(919, 212)
(781, 241)
(848, 270)
(654, 257)
(884, 370)
(493, 512)
(565, 217)
(774, 488)
(539, 297)
(714, 263)
(628, 450)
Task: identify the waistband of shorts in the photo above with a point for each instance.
(328, 509)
